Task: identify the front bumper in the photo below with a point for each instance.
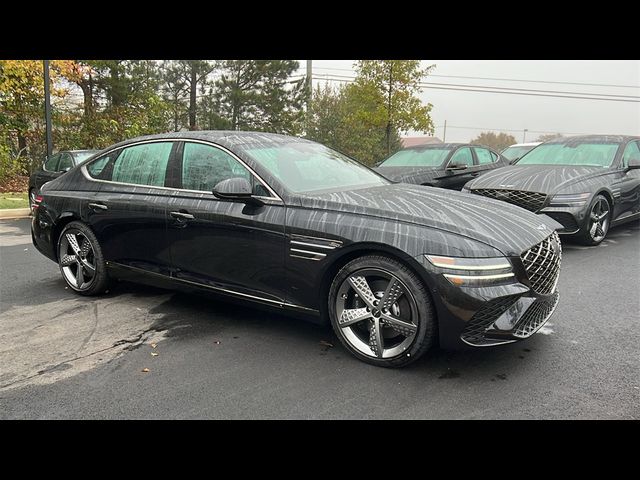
(571, 218)
(487, 316)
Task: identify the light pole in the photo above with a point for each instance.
(524, 135)
(47, 108)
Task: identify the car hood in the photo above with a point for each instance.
(407, 174)
(536, 178)
(508, 228)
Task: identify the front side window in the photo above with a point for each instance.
(66, 162)
(417, 157)
(204, 166)
(310, 167)
(485, 156)
(144, 164)
(51, 165)
(632, 151)
(579, 154)
(462, 157)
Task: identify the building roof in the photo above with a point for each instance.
(413, 141)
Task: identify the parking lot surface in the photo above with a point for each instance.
(67, 356)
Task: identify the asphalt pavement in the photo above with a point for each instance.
(142, 352)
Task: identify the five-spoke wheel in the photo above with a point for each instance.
(596, 224)
(381, 311)
(80, 259)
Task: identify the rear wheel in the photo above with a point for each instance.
(81, 261)
(381, 311)
(596, 224)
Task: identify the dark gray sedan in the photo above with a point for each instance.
(587, 183)
(445, 165)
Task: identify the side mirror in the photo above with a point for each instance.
(634, 164)
(457, 166)
(238, 189)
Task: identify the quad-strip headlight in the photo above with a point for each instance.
(569, 199)
(474, 272)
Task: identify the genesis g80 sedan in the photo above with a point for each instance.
(291, 224)
(586, 183)
(444, 165)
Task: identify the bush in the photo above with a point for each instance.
(9, 165)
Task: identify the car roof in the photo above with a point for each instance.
(530, 144)
(226, 138)
(437, 145)
(594, 138)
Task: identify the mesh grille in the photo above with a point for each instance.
(566, 219)
(542, 262)
(474, 331)
(532, 201)
(535, 316)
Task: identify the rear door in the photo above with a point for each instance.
(486, 160)
(226, 245)
(627, 185)
(129, 210)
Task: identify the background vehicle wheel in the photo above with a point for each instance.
(596, 224)
(81, 261)
(381, 311)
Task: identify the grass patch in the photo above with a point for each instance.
(14, 200)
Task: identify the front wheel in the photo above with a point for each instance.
(81, 261)
(381, 311)
(596, 224)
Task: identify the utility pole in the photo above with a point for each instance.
(524, 135)
(444, 134)
(47, 108)
(309, 92)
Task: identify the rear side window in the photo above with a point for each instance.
(204, 166)
(51, 165)
(66, 162)
(485, 156)
(144, 164)
(97, 168)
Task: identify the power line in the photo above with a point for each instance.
(511, 130)
(507, 79)
(484, 89)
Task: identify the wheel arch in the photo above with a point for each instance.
(359, 250)
(63, 220)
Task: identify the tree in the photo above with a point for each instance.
(498, 141)
(259, 95)
(393, 85)
(174, 88)
(549, 136)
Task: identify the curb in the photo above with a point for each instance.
(12, 213)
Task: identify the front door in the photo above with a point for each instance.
(627, 184)
(223, 244)
(455, 178)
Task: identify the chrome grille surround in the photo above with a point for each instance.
(532, 201)
(542, 263)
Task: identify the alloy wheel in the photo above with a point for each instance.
(77, 259)
(599, 220)
(377, 313)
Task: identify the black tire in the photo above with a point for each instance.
(100, 280)
(415, 294)
(584, 235)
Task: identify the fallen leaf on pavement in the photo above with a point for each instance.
(154, 345)
(154, 354)
(145, 370)
(326, 344)
(217, 342)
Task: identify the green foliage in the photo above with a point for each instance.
(498, 141)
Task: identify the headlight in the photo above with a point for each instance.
(569, 199)
(466, 190)
(474, 272)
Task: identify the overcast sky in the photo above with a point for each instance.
(479, 111)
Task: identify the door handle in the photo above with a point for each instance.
(182, 215)
(98, 206)
(475, 174)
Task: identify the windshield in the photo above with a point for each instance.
(308, 167)
(82, 156)
(512, 153)
(578, 154)
(414, 157)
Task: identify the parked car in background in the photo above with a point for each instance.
(516, 151)
(587, 183)
(55, 166)
(445, 165)
(291, 224)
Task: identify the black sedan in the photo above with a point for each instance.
(587, 183)
(445, 165)
(55, 166)
(293, 225)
